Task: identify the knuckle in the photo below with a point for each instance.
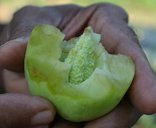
(23, 21)
(26, 8)
(132, 34)
(112, 10)
(24, 11)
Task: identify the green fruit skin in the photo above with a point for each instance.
(47, 77)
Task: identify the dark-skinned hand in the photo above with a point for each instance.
(17, 107)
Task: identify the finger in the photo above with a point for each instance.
(70, 9)
(12, 54)
(76, 26)
(14, 82)
(83, 17)
(117, 37)
(19, 110)
(123, 116)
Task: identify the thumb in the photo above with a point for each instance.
(12, 54)
(20, 111)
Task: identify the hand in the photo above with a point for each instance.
(108, 20)
(21, 110)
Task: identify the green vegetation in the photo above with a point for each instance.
(144, 4)
(138, 10)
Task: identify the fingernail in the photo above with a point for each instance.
(20, 39)
(41, 118)
(17, 40)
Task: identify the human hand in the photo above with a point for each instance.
(108, 20)
(21, 110)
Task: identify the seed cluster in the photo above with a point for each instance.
(82, 59)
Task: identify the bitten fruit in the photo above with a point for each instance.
(79, 77)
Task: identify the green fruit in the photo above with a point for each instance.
(78, 76)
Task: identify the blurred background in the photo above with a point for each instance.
(142, 17)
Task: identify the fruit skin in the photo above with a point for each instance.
(48, 77)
